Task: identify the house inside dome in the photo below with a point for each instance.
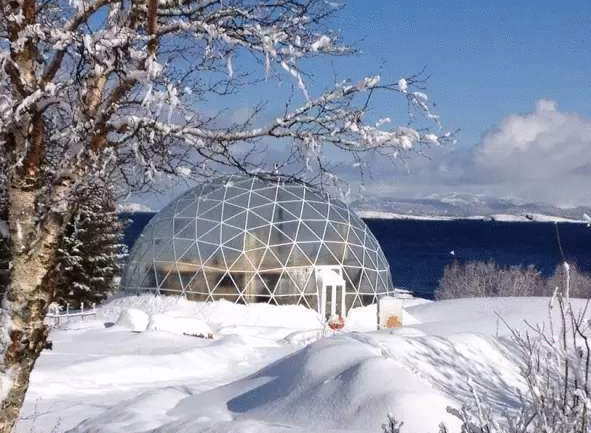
(245, 240)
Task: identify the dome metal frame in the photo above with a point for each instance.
(245, 239)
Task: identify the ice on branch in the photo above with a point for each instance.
(322, 43)
(421, 95)
(403, 85)
(371, 82)
(183, 171)
(431, 138)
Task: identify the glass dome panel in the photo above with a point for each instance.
(250, 240)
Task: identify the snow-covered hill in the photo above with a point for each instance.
(465, 206)
(274, 369)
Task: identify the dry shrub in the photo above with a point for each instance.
(481, 279)
(579, 282)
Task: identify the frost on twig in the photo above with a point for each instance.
(556, 362)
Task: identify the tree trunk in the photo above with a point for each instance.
(33, 249)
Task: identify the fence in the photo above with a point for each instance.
(57, 315)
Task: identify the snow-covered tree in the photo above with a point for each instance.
(91, 253)
(128, 89)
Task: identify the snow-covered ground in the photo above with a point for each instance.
(148, 364)
(531, 217)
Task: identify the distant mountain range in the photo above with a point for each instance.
(464, 206)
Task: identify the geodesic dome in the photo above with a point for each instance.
(250, 240)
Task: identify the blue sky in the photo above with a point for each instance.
(485, 61)
(513, 76)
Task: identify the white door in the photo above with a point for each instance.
(332, 291)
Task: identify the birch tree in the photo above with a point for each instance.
(125, 89)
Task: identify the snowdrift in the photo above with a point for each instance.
(274, 369)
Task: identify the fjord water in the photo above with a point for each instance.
(419, 250)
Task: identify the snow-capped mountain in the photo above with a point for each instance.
(459, 206)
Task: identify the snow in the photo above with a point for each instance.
(164, 364)
(133, 319)
(134, 207)
(322, 43)
(403, 85)
(534, 217)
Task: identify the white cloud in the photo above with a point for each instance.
(540, 156)
(544, 155)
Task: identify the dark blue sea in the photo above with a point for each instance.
(418, 250)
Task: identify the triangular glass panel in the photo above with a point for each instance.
(294, 192)
(181, 246)
(307, 302)
(230, 210)
(292, 209)
(357, 237)
(267, 194)
(250, 287)
(297, 257)
(163, 251)
(196, 288)
(337, 249)
(245, 263)
(310, 250)
(187, 232)
(271, 261)
(370, 259)
(217, 195)
(280, 214)
(214, 260)
(237, 242)
(162, 229)
(356, 302)
(317, 227)
(190, 256)
(210, 210)
(238, 220)
(229, 232)
(230, 255)
(264, 213)
(240, 200)
(331, 234)
(205, 251)
(306, 234)
(320, 207)
(172, 282)
(281, 252)
(212, 236)
(266, 297)
(326, 256)
(290, 229)
(351, 276)
(300, 278)
(341, 229)
(278, 236)
(161, 271)
(255, 240)
(254, 222)
(205, 227)
(309, 213)
(372, 277)
(338, 214)
(186, 209)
